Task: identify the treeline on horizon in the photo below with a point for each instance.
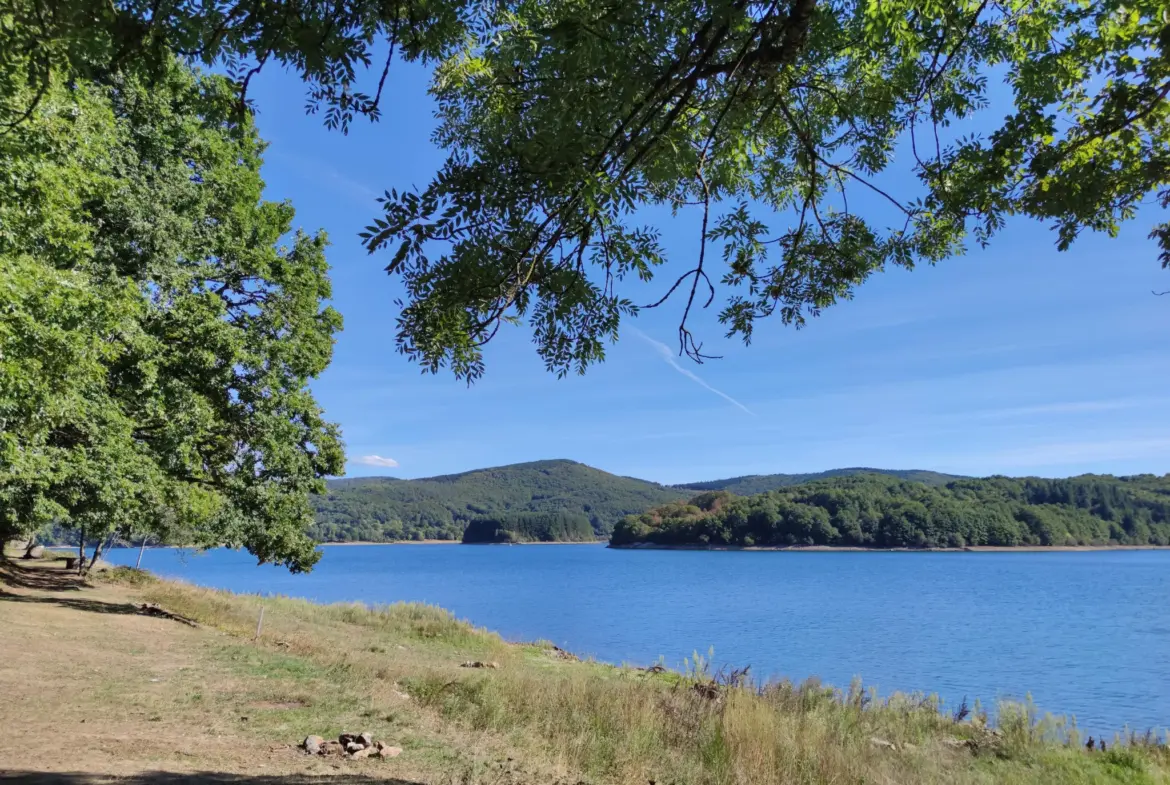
(386, 509)
(879, 511)
(530, 527)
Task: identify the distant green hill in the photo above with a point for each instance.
(378, 509)
(751, 484)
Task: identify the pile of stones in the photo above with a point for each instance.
(354, 746)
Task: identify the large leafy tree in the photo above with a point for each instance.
(816, 141)
(159, 324)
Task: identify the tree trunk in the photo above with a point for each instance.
(138, 564)
(97, 549)
(81, 551)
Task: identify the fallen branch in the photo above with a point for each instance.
(150, 609)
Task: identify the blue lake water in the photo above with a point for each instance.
(1087, 634)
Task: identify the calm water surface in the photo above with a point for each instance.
(1087, 634)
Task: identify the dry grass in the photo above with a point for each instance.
(621, 725)
(544, 718)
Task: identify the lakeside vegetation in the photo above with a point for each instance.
(544, 716)
(879, 511)
(530, 527)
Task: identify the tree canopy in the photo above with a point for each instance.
(815, 141)
(530, 527)
(881, 511)
(159, 322)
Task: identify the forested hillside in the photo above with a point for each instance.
(872, 510)
(530, 527)
(383, 509)
(762, 483)
(379, 509)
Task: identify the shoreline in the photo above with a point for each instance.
(460, 542)
(641, 546)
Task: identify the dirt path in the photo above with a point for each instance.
(91, 690)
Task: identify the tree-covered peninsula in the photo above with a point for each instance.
(880, 511)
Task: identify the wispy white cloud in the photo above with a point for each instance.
(1062, 407)
(667, 355)
(376, 460)
(970, 387)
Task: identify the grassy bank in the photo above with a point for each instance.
(540, 716)
(580, 719)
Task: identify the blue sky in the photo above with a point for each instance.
(1014, 360)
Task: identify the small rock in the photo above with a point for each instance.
(882, 744)
(346, 738)
(479, 664)
(312, 744)
(389, 752)
(332, 748)
(354, 746)
(957, 743)
(366, 738)
(364, 752)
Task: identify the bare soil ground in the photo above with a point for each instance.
(95, 691)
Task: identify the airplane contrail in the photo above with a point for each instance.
(668, 355)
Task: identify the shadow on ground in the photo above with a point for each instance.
(47, 576)
(191, 778)
(91, 606)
